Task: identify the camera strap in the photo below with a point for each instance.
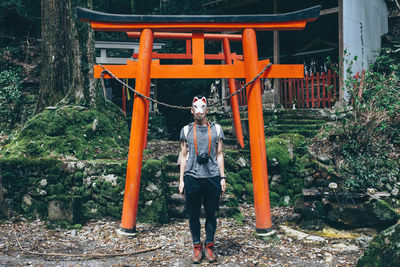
(209, 138)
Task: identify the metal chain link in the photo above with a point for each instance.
(106, 71)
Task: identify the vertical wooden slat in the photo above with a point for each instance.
(335, 76)
(323, 90)
(329, 77)
(290, 93)
(302, 92)
(312, 91)
(318, 91)
(307, 91)
(286, 92)
(298, 92)
(280, 91)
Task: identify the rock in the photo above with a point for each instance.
(324, 159)
(276, 178)
(363, 241)
(87, 181)
(152, 188)
(395, 192)
(80, 165)
(273, 183)
(286, 200)
(293, 233)
(111, 178)
(371, 191)
(71, 167)
(43, 182)
(384, 249)
(74, 232)
(158, 174)
(328, 257)
(27, 200)
(57, 211)
(242, 162)
(376, 214)
(314, 239)
(343, 247)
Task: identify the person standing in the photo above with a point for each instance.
(202, 176)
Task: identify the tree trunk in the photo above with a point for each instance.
(67, 56)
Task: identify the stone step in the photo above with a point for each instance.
(172, 167)
(230, 140)
(306, 133)
(300, 121)
(299, 127)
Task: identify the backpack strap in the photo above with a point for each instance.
(186, 131)
(218, 129)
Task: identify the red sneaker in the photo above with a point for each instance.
(197, 253)
(209, 252)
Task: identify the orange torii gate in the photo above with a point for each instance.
(145, 69)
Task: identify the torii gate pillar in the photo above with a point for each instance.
(256, 131)
(138, 133)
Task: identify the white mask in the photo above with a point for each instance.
(199, 107)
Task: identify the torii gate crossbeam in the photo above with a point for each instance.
(145, 68)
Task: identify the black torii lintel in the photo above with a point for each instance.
(308, 14)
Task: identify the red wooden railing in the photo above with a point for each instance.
(318, 90)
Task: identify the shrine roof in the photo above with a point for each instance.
(308, 14)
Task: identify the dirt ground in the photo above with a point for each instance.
(236, 244)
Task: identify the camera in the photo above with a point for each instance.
(202, 158)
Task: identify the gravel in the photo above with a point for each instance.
(236, 244)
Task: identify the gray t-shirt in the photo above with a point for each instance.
(210, 169)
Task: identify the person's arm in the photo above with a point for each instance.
(182, 168)
(221, 165)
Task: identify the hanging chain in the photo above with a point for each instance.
(106, 71)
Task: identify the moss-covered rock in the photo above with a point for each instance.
(72, 131)
(384, 249)
(277, 153)
(377, 214)
(274, 199)
(49, 188)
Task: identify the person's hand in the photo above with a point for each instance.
(223, 185)
(181, 187)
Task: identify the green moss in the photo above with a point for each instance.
(296, 185)
(232, 178)
(249, 193)
(231, 164)
(154, 211)
(298, 141)
(71, 131)
(237, 190)
(232, 202)
(274, 198)
(171, 157)
(277, 149)
(238, 217)
(245, 175)
(231, 153)
(384, 249)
